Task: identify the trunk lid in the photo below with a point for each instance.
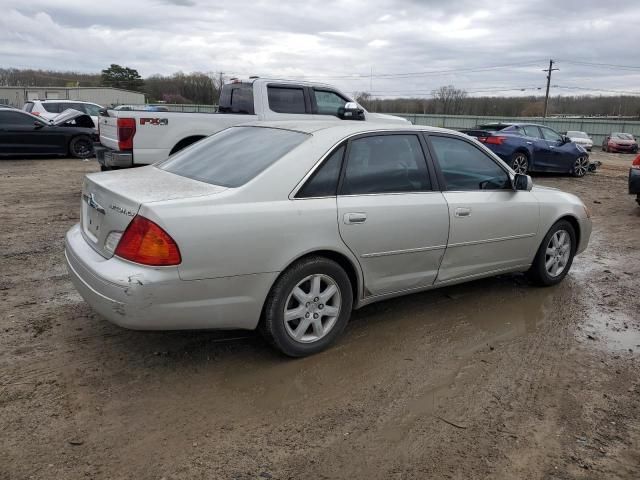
(109, 130)
(110, 200)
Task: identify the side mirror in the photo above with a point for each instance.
(351, 111)
(522, 182)
(565, 139)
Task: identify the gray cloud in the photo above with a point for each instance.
(339, 41)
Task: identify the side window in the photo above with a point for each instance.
(531, 131)
(242, 100)
(466, 167)
(286, 99)
(385, 164)
(550, 135)
(328, 102)
(92, 110)
(16, 118)
(52, 107)
(324, 181)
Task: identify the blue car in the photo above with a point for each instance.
(528, 147)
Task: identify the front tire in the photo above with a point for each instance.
(581, 166)
(81, 146)
(308, 307)
(555, 255)
(520, 163)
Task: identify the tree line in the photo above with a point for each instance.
(203, 88)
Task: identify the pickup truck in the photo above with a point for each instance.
(130, 138)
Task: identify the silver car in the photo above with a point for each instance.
(288, 226)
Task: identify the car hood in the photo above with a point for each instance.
(66, 116)
(381, 117)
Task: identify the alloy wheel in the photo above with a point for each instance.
(312, 308)
(558, 253)
(520, 163)
(581, 167)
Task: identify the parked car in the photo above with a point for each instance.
(287, 226)
(620, 142)
(634, 179)
(132, 138)
(24, 134)
(49, 109)
(580, 138)
(528, 147)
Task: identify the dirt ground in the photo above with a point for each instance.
(492, 379)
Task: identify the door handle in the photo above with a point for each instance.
(357, 217)
(552, 146)
(463, 212)
(529, 143)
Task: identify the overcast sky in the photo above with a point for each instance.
(486, 49)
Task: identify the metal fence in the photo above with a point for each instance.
(596, 128)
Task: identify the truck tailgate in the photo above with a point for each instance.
(109, 132)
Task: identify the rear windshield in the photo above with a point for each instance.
(234, 156)
(577, 134)
(236, 98)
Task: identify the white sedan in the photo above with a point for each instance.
(288, 226)
(581, 138)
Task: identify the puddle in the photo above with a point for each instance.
(613, 330)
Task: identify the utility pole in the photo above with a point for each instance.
(220, 88)
(546, 97)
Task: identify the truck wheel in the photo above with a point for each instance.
(308, 307)
(81, 146)
(520, 162)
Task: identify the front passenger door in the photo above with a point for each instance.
(389, 215)
(562, 154)
(492, 227)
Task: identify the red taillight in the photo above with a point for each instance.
(145, 242)
(636, 162)
(126, 131)
(494, 140)
(37, 114)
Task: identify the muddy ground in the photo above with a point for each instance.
(493, 379)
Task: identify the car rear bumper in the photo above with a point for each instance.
(144, 298)
(110, 158)
(634, 181)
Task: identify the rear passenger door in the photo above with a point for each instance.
(288, 102)
(492, 227)
(389, 214)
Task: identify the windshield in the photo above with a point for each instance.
(622, 136)
(234, 156)
(577, 135)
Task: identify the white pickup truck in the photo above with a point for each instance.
(129, 138)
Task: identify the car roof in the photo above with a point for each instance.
(51, 100)
(347, 127)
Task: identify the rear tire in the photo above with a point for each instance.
(520, 163)
(308, 307)
(81, 146)
(555, 255)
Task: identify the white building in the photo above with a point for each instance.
(105, 96)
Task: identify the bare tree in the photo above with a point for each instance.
(449, 99)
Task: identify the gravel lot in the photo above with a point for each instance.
(491, 379)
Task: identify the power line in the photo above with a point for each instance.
(605, 65)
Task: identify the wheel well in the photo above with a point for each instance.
(523, 150)
(576, 226)
(185, 142)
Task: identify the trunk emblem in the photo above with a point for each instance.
(91, 201)
(124, 211)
